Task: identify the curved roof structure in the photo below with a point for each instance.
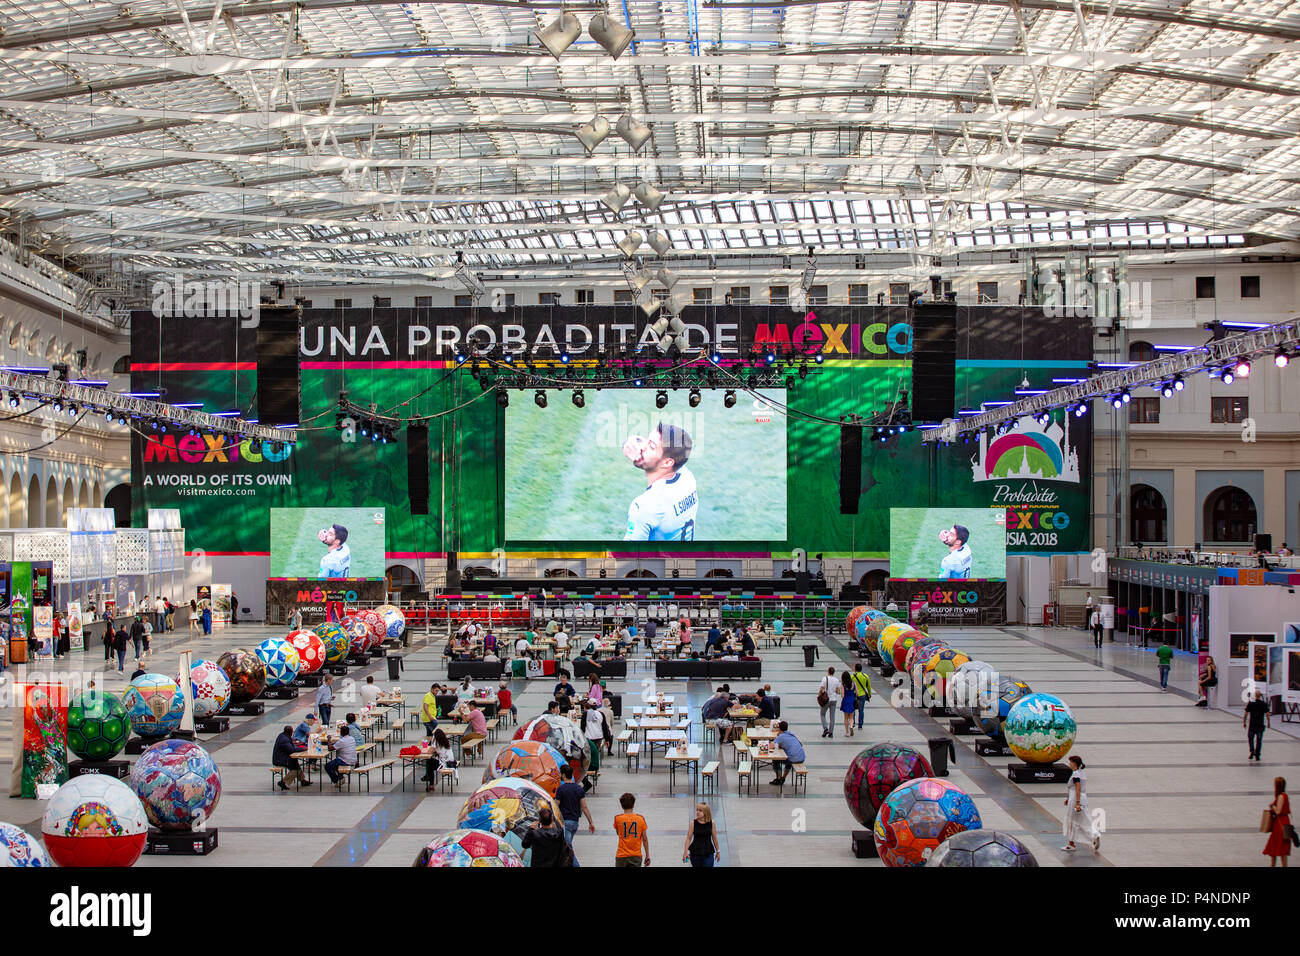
(341, 141)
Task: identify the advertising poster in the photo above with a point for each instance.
(44, 735)
(1276, 670)
(204, 593)
(43, 628)
(221, 603)
(20, 612)
(1258, 657)
(1291, 691)
(1291, 632)
(76, 637)
(131, 606)
(778, 491)
(1239, 644)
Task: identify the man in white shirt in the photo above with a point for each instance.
(345, 749)
(957, 562)
(666, 510)
(522, 647)
(832, 688)
(561, 643)
(337, 562)
(370, 692)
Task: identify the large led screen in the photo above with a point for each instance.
(327, 543)
(948, 543)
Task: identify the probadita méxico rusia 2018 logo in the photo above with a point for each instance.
(1025, 464)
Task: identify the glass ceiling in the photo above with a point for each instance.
(353, 141)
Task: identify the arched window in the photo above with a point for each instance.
(1141, 352)
(401, 578)
(874, 581)
(1229, 516)
(1147, 515)
(34, 509)
(17, 514)
(119, 499)
(719, 573)
(559, 573)
(69, 499)
(640, 573)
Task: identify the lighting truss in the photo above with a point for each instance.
(100, 400)
(1209, 357)
(701, 375)
(471, 282)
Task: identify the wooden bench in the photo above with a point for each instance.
(744, 776)
(447, 779)
(742, 750)
(709, 776)
(684, 725)
(632, 752)
(277, 775)
(800, 776)
(624, 738)
(492, 727)
(364, 770)
(473, 747)
(381, 740)
(362, 750)
(594, 777)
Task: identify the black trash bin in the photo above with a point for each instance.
(394, 666)
(941, 751)
(809, 652)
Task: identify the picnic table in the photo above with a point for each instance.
(687, 756)
(668, 739)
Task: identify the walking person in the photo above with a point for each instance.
(848, 702)
(861, 692)
(1165, 660)
(828, 693)
(119, 646)
(137, 635)
(1209, 678)
(325, 699)
(194, 617)
(701, 842)
(1255, 720)
(572, 799)
(1094, 621)
(1078, 822)
(633, 835)
(108, 640)
(1280, 830)
(146, 639)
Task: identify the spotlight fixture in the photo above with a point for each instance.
(508, 358)
(539, 398)
(638, 382)
(1227, 376)
(57, 405)
(1243, 368)
(364, 430)
(610, 34)
(803, 369)
(715, 357)
(1179, 384)
(616, 198)
(503, 398)
(1125, 396)
(818, 358)
(661, 399)
(560, 34)
(14, 400)
(565, 358)
(693, 399)
(1167, 390)
(667, 278)
(1116, 401)
(1281, 359)
(578, 398)
(770, 357)
(632, 131)
(729, 398)
(593, 132)
(72, 411)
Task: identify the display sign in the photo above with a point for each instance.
(947, 543)
(313, 598)
(951, 601)
(1239, 644)
(76, 636)
(43, 628)
(221, 603)
(329, 543)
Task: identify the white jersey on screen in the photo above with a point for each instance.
(336, 563)
(665, 511)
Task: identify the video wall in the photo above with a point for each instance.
(622, 469)
(560, 480)
(948, 543)
(327, 543)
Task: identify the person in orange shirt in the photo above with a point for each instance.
(633, 838)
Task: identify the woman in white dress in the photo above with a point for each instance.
(1078, 822)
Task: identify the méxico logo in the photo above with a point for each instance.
(1031, 451)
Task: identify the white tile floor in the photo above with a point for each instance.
(1172, 778)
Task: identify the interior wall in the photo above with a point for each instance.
(1241, 609)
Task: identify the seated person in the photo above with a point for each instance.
(746, 644)
(370, 691)
(714, 712)
(505, 699)
(355, 730)
(302, 733)
(794, 754)
(523, 648)
(345, 755)
(465, 691)
(477, 724)
(282, 756)
(766, 706)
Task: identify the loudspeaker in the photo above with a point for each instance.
(934, 362)
(1264, 543)
(850, 468)
(277, 364)
(417, 468)
(453, 574)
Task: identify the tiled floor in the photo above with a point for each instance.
(1173, 779)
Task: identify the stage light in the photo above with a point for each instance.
(660, 242)
(638, 382)
(14, 400)
(818, 358)
(1125, 396)
(565, 358)
(72, 411)
(508, 358)
(503, 398)
(630, 243)
(461, 357)
(1243, 368)
(715, 357)
(1281, 359)
(1227, 376)
(1179, 384)
(648, 195)
(364, 430)
(693, 399)
(616, 198)
(539, 398)
(610, 34)
(661, 399)
(1167, 390)
(108, 412)
(803, 369)
(578, 398)
(729, 398)
(558, 35)
(374, 435)
(58, 405)
(770, 357)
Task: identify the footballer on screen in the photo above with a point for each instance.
(666, 510)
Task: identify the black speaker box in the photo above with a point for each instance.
(277, 364)
(850, 468)
(1264, 543)
(934, 362)
(417, 468)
